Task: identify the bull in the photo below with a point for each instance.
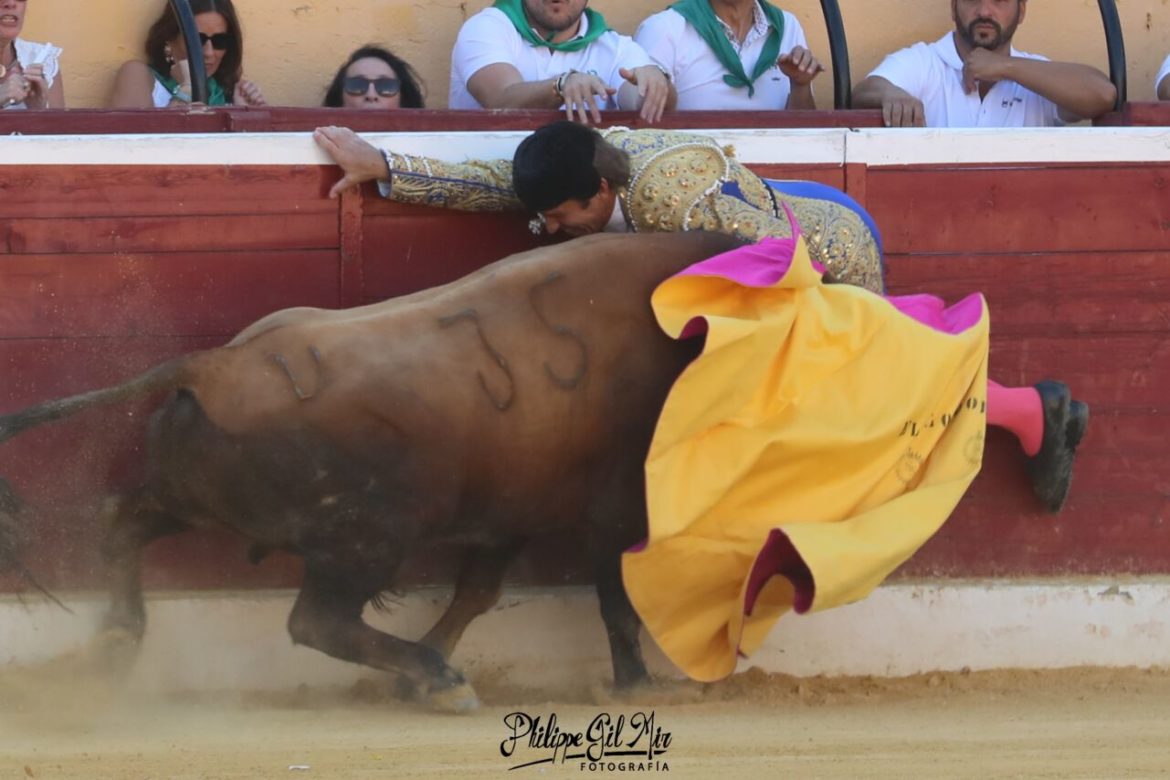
(515, 402)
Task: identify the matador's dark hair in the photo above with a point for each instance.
(565, 161)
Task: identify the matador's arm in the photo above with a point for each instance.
(470, 186)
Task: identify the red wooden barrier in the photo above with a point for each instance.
(102, 275)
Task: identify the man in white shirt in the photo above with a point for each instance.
(732, 55)
(553, 54)
(972, 77)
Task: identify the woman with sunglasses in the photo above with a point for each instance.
(373, 77)
(29, 74)
(165, 78)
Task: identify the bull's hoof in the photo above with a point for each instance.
(113, 651)
(457, 699)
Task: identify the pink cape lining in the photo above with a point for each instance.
(764, 264)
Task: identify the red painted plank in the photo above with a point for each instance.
(856, 180)
(408, 248)
(182, 293)
(1056, 294)
(1021, 208)
(38, 191)
(223, 233)
(833, 175)
(1148, 114)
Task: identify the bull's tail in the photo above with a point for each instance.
(12, 539)
(12, 535)
(161, 377)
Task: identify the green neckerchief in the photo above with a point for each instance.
(514, 10)
(702, 17)
(215, 94)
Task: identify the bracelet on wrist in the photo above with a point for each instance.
(559, 84)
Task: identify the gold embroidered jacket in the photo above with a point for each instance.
(678, 181)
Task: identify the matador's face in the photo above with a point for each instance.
(582, 217)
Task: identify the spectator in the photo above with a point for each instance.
(373, 77)
(732, 54)
(553, 53)
(165, 78)
(973, 77)
(30, 75)
(1161, 83)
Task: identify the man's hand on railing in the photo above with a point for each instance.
(359, 160)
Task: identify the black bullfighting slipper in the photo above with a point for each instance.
(1065, 421)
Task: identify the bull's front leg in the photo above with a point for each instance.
(622, 624)
(327, 616)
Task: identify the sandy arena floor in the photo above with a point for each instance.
(1081, 723)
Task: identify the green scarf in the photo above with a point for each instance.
(702, 17)
(215, 93)
(514, 10)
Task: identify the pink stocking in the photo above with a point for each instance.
(1019, 410)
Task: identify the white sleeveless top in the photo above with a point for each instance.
(160, 95)
(29, 53)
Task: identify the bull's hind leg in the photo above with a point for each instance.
(132, 522)
(480, 575)
(327, 616)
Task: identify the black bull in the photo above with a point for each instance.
(515, 402)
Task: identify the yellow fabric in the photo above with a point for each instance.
(814, 409)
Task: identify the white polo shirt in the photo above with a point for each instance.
(697, 72)
(1163, 73)
(489, 37)
(933, 73)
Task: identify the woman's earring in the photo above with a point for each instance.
(170, 55)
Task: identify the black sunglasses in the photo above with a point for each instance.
(386, 86)
(219, 41)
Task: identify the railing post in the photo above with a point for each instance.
(186, 19)
(839, 52)
(1115, 44)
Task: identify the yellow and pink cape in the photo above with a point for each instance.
(822, 436)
